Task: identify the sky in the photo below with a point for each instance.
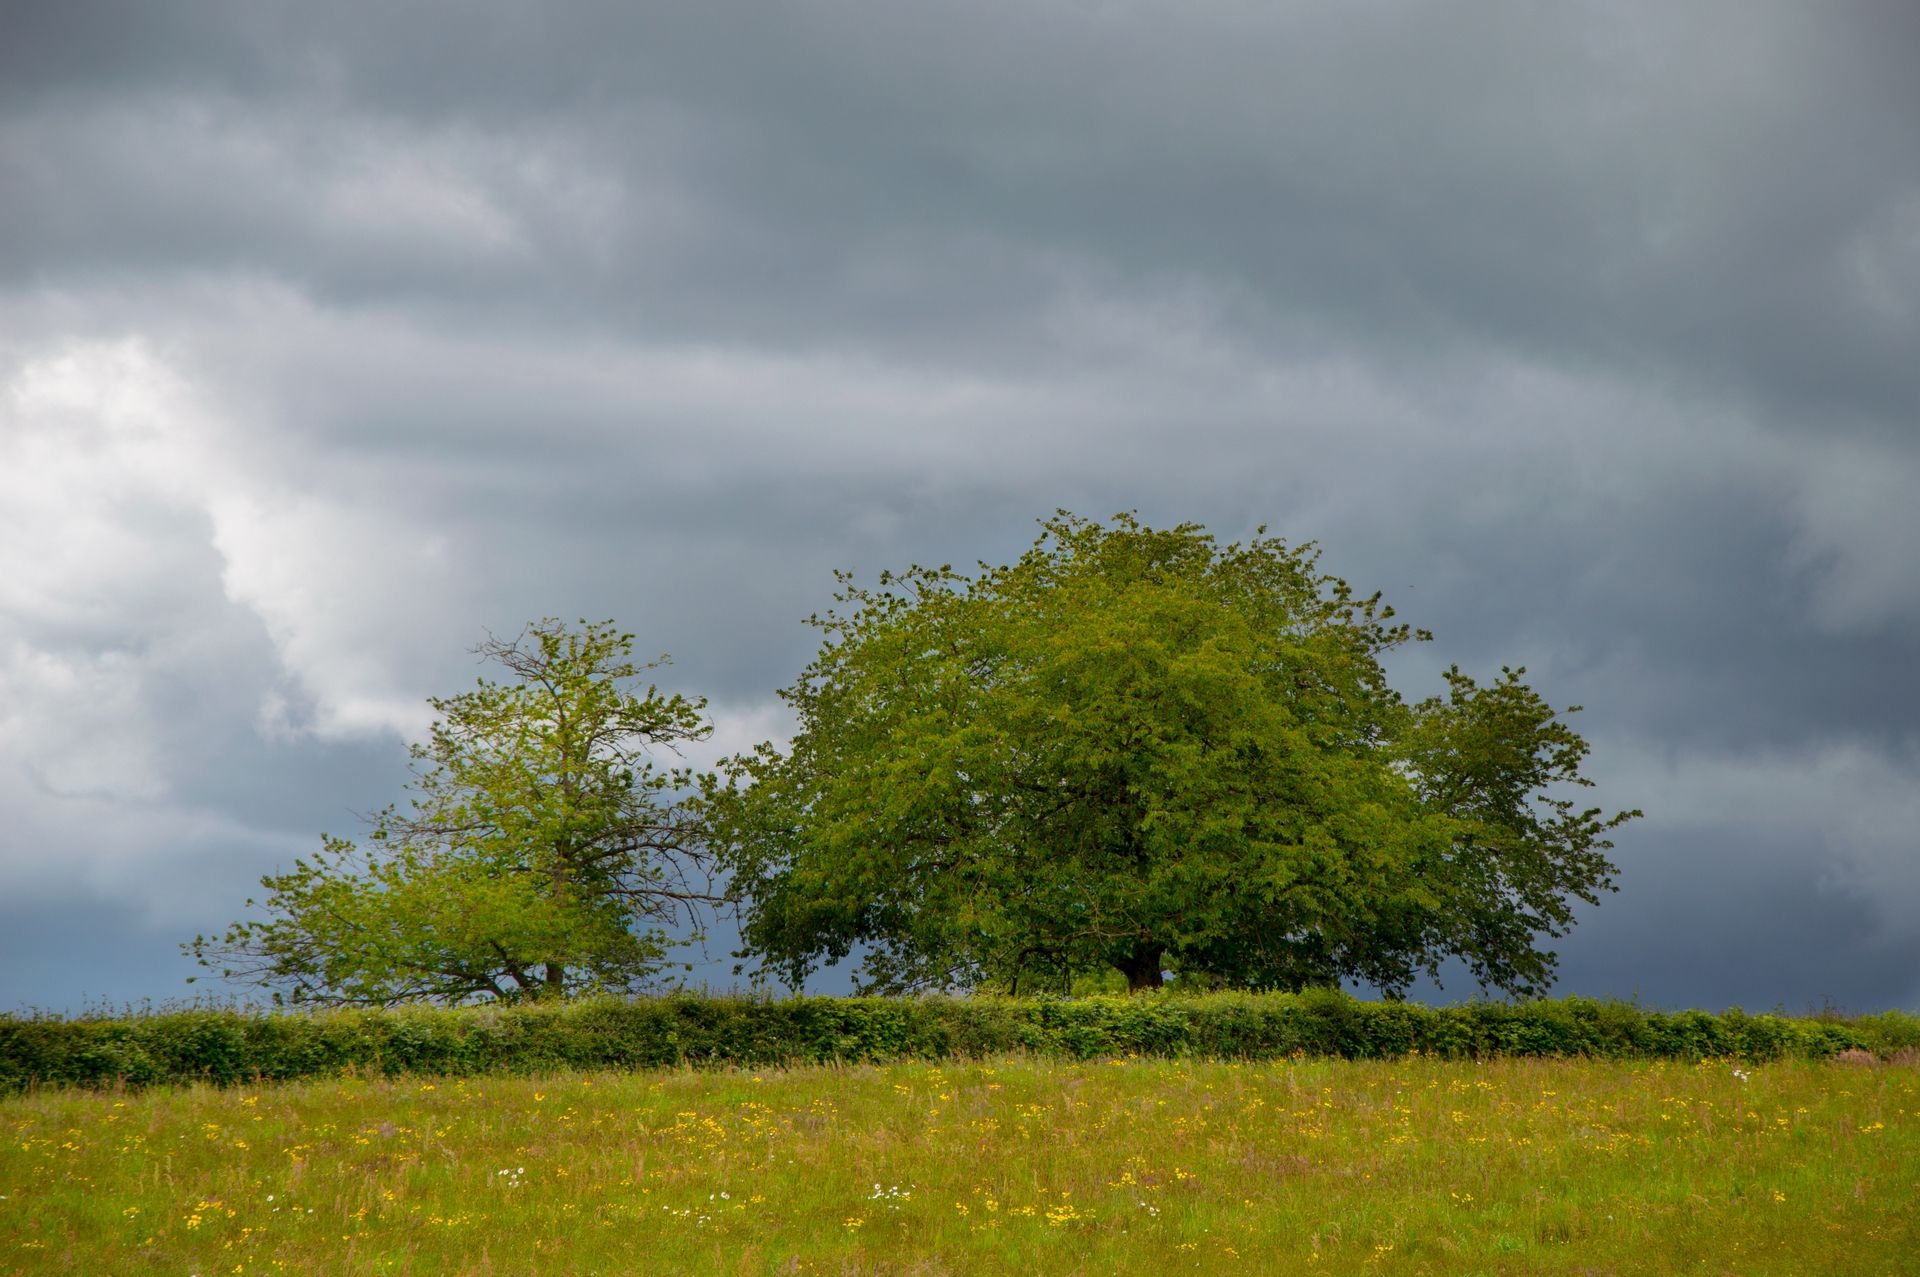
(334, 338)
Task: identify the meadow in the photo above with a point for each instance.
(1011, 1165)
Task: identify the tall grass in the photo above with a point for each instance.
(1014, 1165)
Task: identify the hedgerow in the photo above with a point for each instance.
(234, 1045)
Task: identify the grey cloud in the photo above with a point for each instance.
(71, 956)
(1583, 333)
(1716, 200)
(1695, 913)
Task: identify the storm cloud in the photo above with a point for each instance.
(334, 338)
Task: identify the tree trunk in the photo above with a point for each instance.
(1141, 966)
(556, 982)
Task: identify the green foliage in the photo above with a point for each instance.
(1498, 761)
(544, 852)
(1136, 750)
(534, 1037)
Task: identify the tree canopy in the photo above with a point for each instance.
(543, 853)
(1139, 750)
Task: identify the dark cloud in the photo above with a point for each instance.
(95, 954)
(333, 338)
(1693, 911)
(1707, 198)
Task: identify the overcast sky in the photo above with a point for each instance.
(333, 337)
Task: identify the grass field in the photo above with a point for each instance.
(1009, 1166)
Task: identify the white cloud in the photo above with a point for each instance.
(333, 584)
(172, 602)
(96, 489)
(738, 728)
(141, 545)
(102, 548)
(75, 723)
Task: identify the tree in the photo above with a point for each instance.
(544, 852)
(1136, 749)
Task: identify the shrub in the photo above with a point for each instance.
(227, 1046)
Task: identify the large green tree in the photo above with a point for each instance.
(1139, 750)
(544, 851)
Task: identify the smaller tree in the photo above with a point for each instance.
(1501, 763)
(544, 852)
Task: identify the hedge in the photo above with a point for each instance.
(228, 1046)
